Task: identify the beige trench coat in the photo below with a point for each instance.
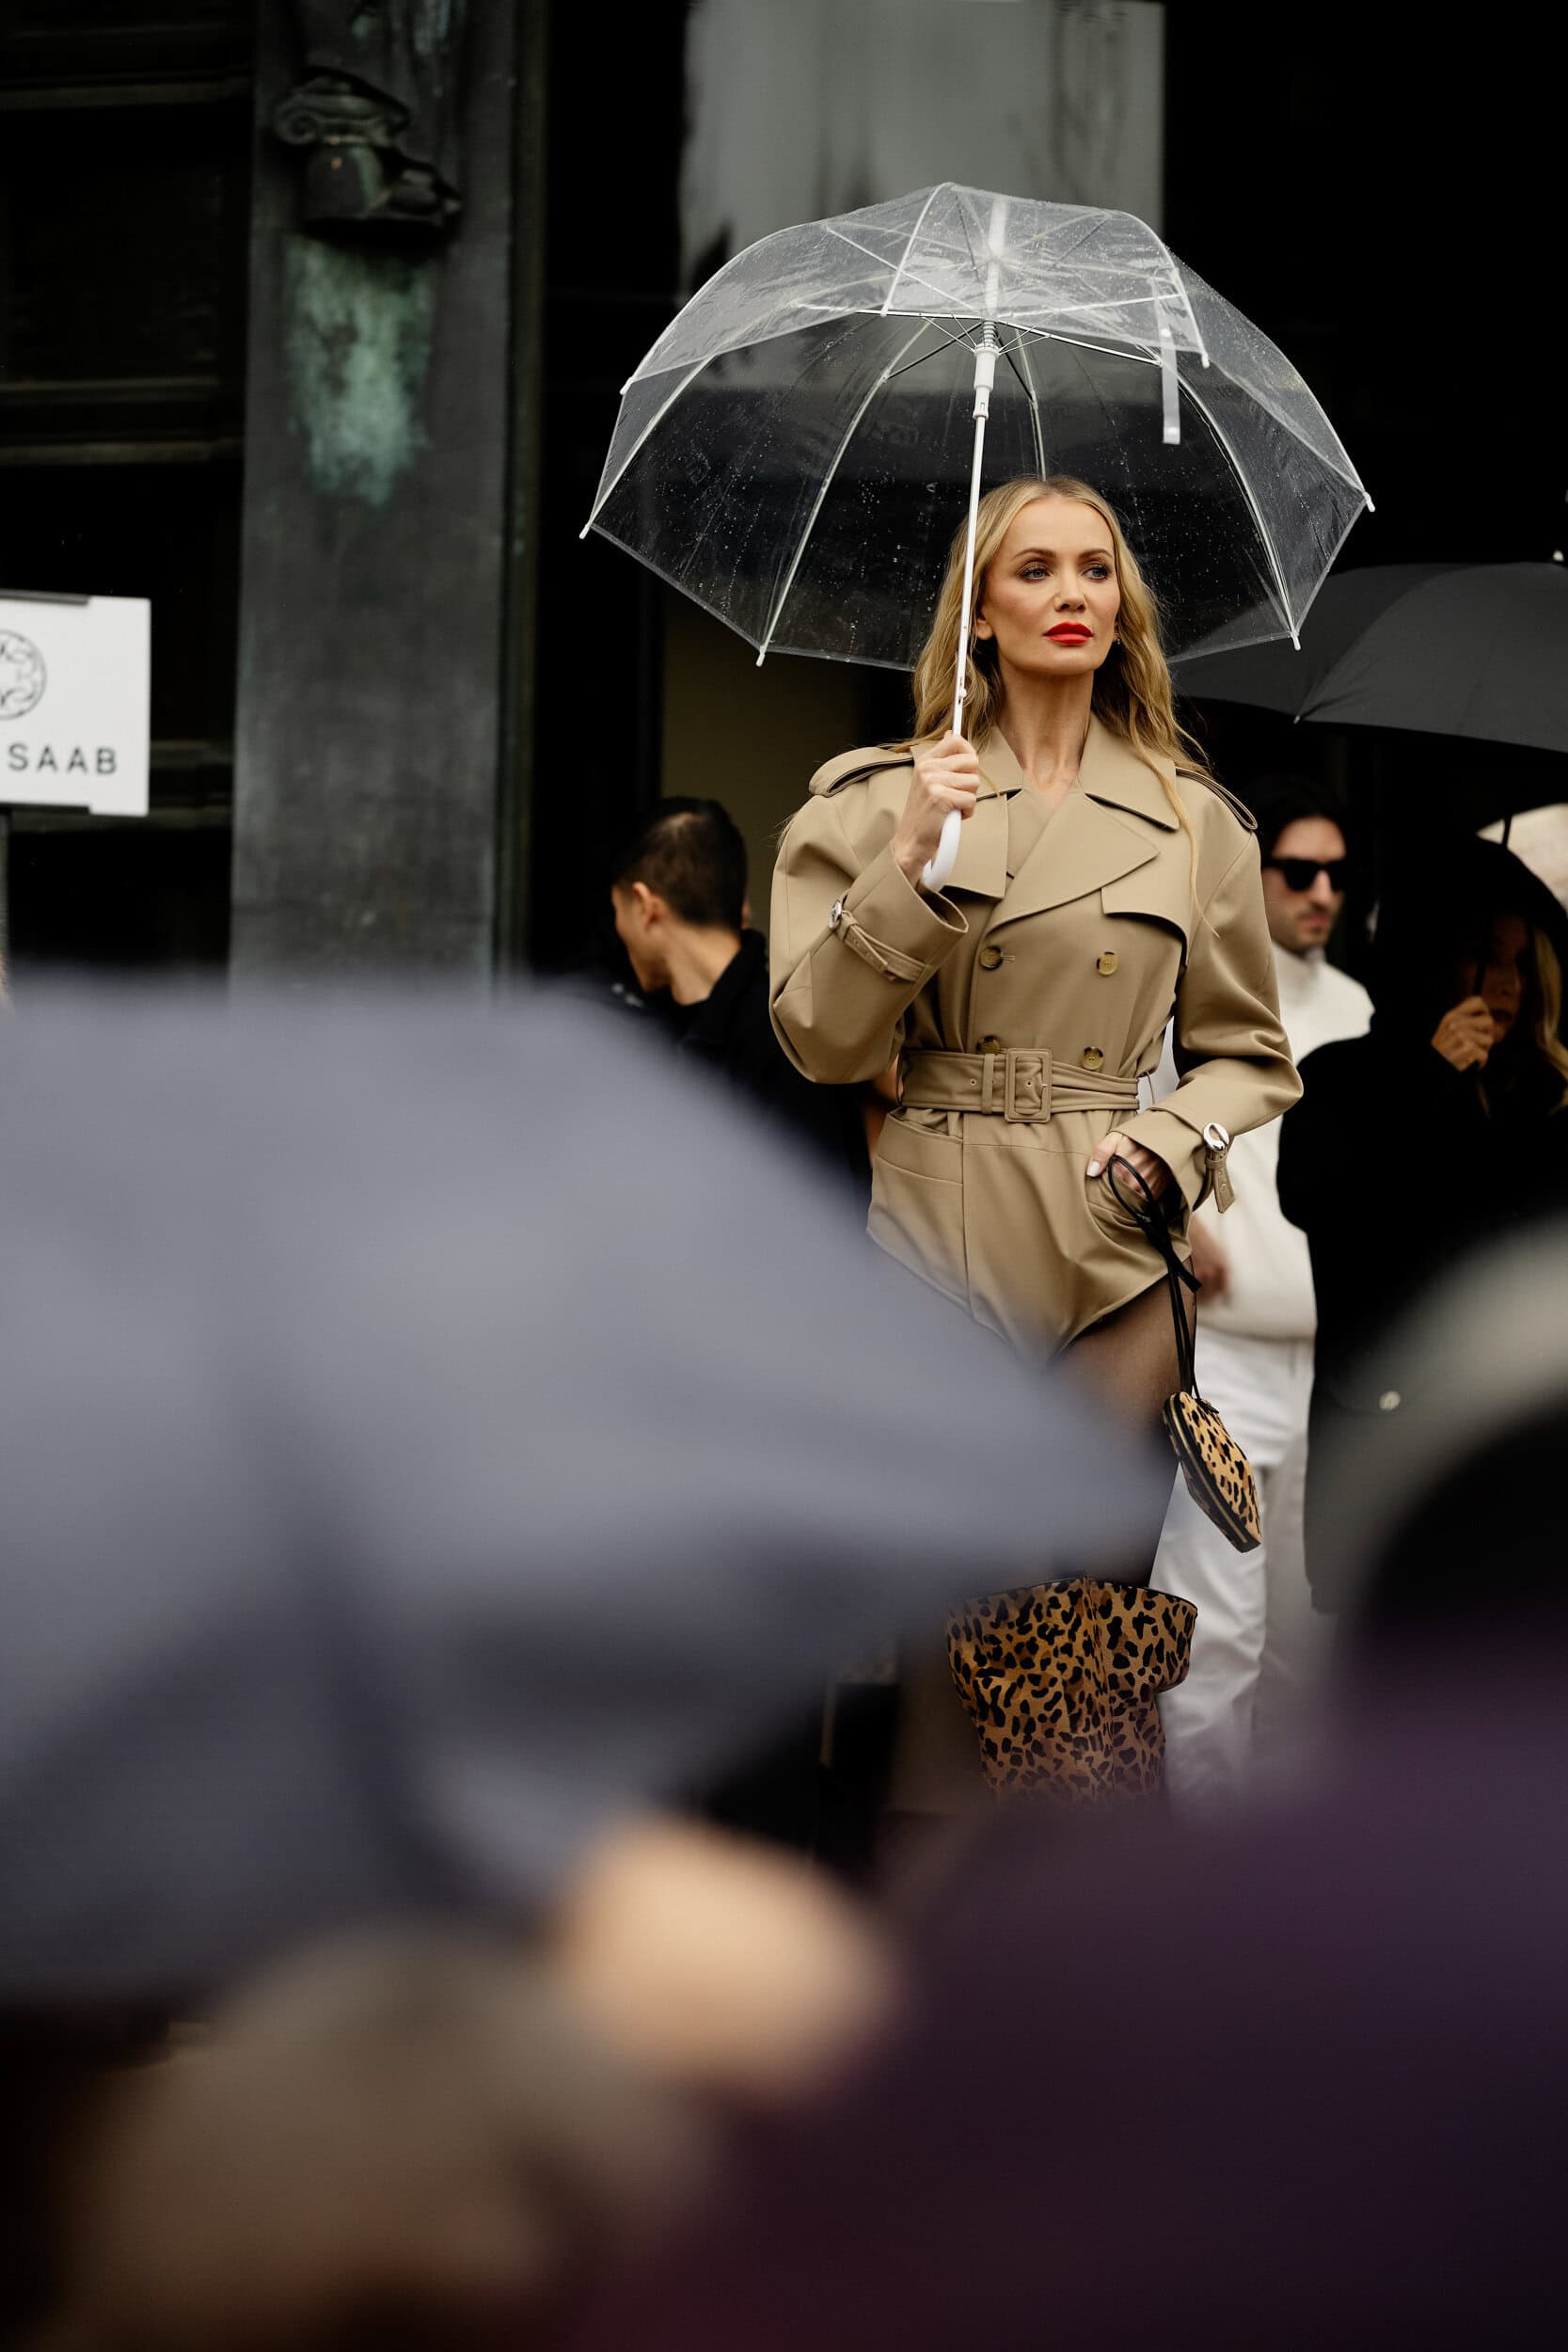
(1078, 935)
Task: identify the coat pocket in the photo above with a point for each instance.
(917, 1200)
(1110, 1212)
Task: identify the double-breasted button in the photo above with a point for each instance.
(1092, 1056)
(988, 959)
(989, 1045)
(1104, 964)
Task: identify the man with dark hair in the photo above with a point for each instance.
(678, 891)
(1257, 1649)
(687, 855)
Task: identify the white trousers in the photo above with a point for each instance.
(1259, 1651)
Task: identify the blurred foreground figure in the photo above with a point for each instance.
(413, 1462)
(401, 2144)
(421, 2140)
(1289, 2077)
(412, 1465)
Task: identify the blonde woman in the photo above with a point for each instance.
(1104, 888)
(1105, 884)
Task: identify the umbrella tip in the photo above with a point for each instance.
(762, 656)
(1371, 508)
(586, 528)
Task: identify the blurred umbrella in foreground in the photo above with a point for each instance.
(1479, 650)
(792, 451)
(425, 1432)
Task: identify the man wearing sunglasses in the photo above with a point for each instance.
(1258, 1649)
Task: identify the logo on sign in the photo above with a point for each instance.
(22, 676)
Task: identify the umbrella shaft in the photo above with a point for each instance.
(936, 872)
(984, 376)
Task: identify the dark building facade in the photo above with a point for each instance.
(313, 317)
(124, 204)
(288, 294)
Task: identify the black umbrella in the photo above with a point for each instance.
(426, 1431)
(1477, 650)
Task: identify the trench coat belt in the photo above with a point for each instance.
(1021, 1084)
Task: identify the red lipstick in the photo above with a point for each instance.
(1070, 633)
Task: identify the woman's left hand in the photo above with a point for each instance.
(1156, 1175)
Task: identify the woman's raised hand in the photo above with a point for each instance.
(947, 776)
(1464, 1036)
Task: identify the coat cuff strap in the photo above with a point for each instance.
(889, 961)
(893, 926)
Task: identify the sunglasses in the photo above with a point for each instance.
(1302, 872)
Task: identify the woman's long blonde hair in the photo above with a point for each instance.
(1132, 687)
(1544, 1010)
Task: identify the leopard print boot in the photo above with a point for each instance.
(1062, 1683)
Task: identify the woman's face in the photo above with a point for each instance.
(1503, 981)
(1051, 596)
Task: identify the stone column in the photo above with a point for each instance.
(381, 552)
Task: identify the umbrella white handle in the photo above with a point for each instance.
(934, 874)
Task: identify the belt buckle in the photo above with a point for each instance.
(1027, 1113)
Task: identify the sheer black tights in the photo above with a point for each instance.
(1129, 1358)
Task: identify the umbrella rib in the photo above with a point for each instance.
(975, 262)
(887, 299)
(1187, 297)
(1101, 351)
(657, 418)
(825, 485)
(1077, 306)
(1224, 440)
(880, 259)
(1027, 382)
(949, 343)
(1050, 233)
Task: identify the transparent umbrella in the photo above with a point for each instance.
(791, 451)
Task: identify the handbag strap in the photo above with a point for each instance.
(1147, 1215)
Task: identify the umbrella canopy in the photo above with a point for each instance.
(1479, 650)
(792, 452)
(426, 1431)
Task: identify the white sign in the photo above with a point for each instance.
(74, 703)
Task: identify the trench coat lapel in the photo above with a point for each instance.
(993, 844)
(981, 866)
(1090, 841)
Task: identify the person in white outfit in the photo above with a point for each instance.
(1258, 1649)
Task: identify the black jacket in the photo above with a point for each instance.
(1395, 1165)
(731, 1031)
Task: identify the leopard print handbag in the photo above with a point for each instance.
(1218, 1474)
(1062, 1683)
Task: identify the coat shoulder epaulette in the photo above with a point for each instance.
(853, 767)
(1239, 809)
